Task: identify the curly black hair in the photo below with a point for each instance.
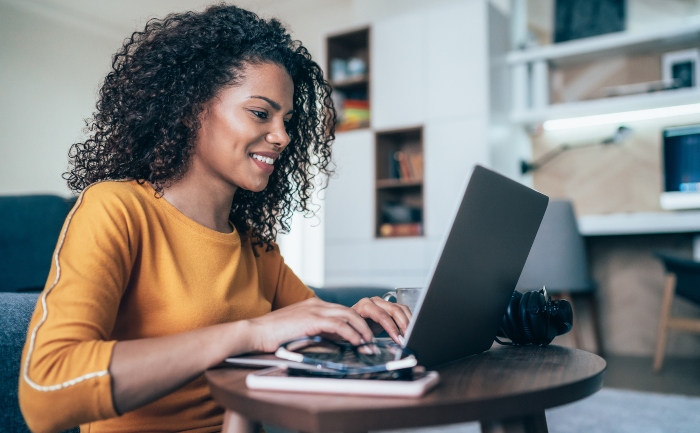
(147, 116)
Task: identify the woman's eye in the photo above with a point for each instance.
(287, 125)
(259, 114)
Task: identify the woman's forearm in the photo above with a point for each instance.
(147, 369)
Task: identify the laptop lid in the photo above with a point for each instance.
(477, 270)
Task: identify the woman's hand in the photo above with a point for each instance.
(310, 317)
(393, 318)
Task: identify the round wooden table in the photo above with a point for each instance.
(506, 389)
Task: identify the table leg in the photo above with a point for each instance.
(533, 423)
(235, 423)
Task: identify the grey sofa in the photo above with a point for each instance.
(15, 312)
(29, 228)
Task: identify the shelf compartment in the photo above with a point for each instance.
(531, 69)
(399, 182)
(348, 74)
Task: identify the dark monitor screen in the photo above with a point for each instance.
(681, 152)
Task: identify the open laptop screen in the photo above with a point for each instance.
(478, 268)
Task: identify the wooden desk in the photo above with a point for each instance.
(507, 389)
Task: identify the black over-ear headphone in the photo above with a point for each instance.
(533, 318)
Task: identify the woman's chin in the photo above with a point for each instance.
(258, 187)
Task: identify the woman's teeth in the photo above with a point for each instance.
(264, 159)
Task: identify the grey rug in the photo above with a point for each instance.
(611, 411)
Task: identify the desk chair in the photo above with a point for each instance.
(557, 261)
(682, 279)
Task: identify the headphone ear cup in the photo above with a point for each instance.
(509, 323)
(551, 330)
(538, 318)
(563, 320)
(524, 318)
(551, 333)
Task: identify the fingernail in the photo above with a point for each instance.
(367, 350)
(402, 340)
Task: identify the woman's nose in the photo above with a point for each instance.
(279, 136)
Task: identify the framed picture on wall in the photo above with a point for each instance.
(680, 68)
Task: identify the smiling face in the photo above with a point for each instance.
(243, 130)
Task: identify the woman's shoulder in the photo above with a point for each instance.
(114, 189)
(114, 194)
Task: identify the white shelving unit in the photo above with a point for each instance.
(530, 74)
(429, 70)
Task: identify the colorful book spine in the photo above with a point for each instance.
(404, 166)
(402, 229)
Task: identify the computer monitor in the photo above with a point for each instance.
(681, 164)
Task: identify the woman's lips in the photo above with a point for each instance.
(264, 166)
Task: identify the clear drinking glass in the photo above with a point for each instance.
(407, 296)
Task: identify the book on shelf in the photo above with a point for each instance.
(405, 171)
(401, 229)
(406, 166)
(354, 113)
(416, 162)
(356, 104)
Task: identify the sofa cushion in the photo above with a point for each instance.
(15, 311)
(29, 229)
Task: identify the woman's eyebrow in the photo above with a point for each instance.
(273, 103)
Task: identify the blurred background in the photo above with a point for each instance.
(593, 102)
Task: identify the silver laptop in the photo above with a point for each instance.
(473, 278)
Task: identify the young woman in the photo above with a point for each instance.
(209, 132)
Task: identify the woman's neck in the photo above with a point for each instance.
(208, 204)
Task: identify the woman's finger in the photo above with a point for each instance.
(399, 312)
(406, 310)
(369, 310)
(340, 328)
(352, 318)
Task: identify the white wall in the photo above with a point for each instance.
(49, 76)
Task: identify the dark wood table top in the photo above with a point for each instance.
(500, 383)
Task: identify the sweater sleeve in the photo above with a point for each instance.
(281, 284)
(64, 377)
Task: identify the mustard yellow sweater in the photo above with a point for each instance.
(127, 266)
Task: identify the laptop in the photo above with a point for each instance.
(472, 280)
